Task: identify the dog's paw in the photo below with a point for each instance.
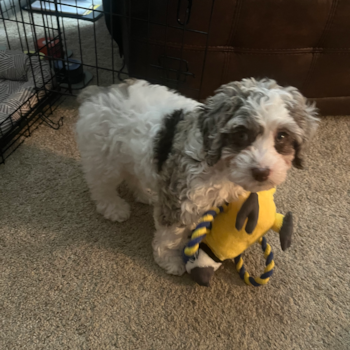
(116, 211)
(176, 267)
(173, 264)
(143, 198)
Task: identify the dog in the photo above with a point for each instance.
(184, 156)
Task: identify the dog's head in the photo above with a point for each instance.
(258, 130)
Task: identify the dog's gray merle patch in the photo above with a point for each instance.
(165, 137)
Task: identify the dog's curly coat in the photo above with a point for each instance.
(184, 156)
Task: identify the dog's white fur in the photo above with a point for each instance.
(116, 134)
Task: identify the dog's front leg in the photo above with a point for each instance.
(168, 243)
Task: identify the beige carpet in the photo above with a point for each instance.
(72, 280)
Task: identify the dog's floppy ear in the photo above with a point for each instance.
(305, 115)
(216, 112)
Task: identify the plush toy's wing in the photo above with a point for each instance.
(250, 210)
(286, 231)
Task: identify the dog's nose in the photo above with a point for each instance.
(260, 174)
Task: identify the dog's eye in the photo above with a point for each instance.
(281, 136)
(242, 136)
(284, 143)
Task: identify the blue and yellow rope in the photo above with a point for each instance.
(201, 230)
(270, 264)
(204, 227)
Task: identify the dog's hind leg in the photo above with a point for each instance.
(104, 192)
(142, 194)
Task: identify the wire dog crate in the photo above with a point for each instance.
(100, 42)
(26, 79)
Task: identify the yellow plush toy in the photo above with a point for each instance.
(226, 232)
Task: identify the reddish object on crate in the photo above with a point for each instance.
(50, 47)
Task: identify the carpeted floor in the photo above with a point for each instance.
(69, 279)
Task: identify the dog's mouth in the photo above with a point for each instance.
(251, 185)
(258, 187)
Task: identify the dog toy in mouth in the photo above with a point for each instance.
(226, 232)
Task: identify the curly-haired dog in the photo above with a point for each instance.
(185, 157)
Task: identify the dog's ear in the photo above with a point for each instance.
(216, 112)
(305, 115)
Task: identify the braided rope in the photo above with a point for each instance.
(270, 264)
(201, 230)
